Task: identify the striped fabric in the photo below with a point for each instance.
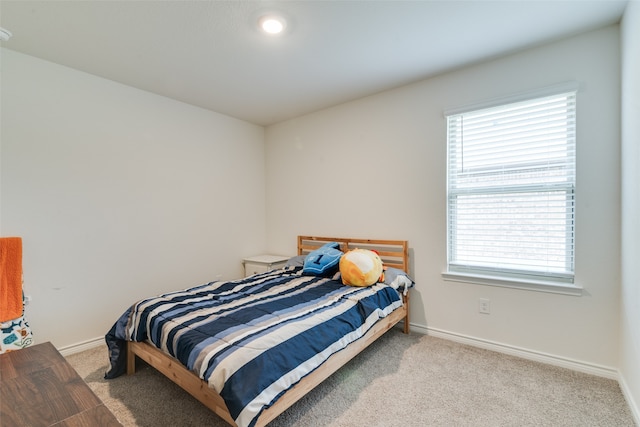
(254, 338)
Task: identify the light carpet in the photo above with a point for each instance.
(400, 380)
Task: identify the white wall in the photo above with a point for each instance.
(630, 301)
(375, 168)
(119, 194)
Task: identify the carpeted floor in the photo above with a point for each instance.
(401, 380)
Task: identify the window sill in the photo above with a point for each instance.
(529, 285)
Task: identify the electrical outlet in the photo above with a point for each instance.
(484, 305)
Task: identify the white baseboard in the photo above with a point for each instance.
(635, 411)
(81, 346)
(576, 365)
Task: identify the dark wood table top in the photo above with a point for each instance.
(39, 388)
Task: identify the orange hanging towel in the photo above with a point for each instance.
(10, 278)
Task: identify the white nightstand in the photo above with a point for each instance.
(263, 263)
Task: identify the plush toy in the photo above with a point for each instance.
(361, 267)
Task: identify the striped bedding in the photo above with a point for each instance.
(254, 338)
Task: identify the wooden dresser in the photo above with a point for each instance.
(39, 388)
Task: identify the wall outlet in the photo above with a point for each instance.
(484, 305)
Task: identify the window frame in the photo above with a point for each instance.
(536, 281)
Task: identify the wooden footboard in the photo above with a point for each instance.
(190, 382)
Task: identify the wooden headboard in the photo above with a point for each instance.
(394, 253)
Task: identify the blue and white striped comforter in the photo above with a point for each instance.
(254, 338)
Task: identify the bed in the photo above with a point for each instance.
(291, 328)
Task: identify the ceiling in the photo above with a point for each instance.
(211, 54)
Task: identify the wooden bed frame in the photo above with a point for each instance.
(394, 253)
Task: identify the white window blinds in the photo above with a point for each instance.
(511, 182)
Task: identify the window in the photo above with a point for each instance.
(510, 190)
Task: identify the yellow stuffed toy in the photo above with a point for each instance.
(361, 267)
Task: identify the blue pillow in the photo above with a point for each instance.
(323, 261)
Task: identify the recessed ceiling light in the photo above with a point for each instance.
(272, 24)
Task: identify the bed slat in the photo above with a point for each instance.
(394, 253)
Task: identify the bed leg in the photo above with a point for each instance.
(131, 359)
(405, 300)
